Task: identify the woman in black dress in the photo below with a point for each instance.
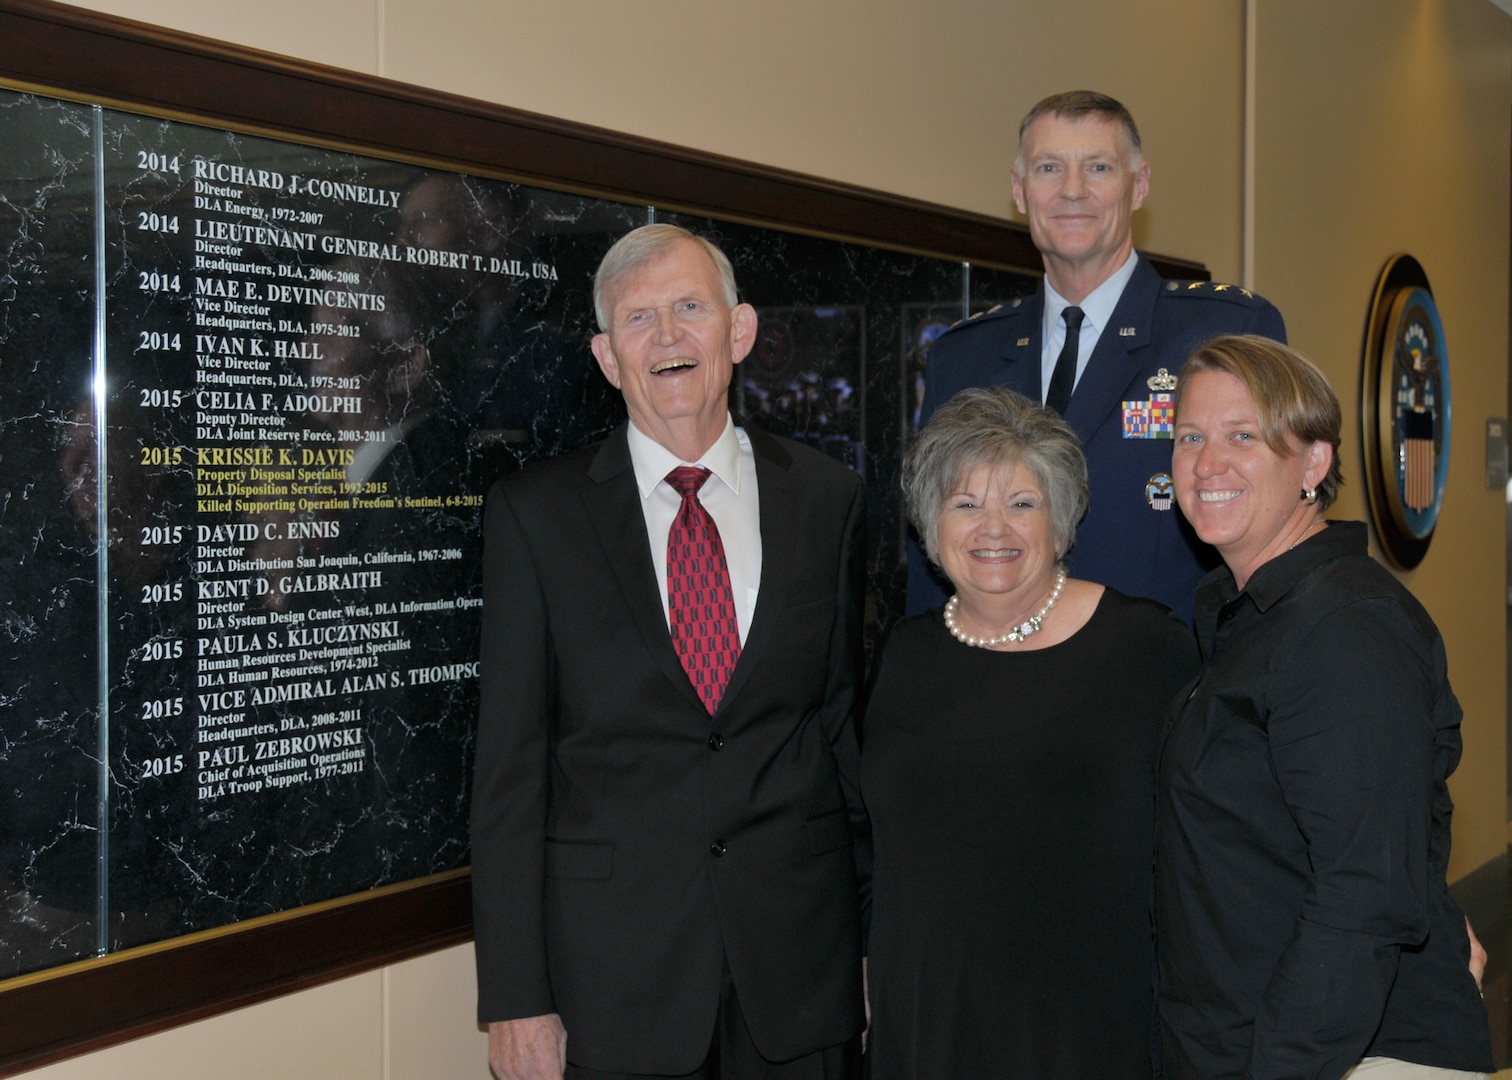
(1008, 764)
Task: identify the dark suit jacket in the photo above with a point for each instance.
(1123, 541)
(624, 842)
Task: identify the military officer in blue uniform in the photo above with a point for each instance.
(1079, 176)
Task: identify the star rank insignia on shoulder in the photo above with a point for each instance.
(993, 310)
(1007, 307)
(1209, 288)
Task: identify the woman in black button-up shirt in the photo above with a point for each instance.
(1303, 919)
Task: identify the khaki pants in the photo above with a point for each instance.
(1382, 1068)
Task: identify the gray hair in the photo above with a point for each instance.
(997, 428)
(642, 245)
(1077, 104)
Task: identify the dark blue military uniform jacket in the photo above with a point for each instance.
(1133, 537)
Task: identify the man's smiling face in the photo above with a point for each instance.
(1079, 181)
(672, 346)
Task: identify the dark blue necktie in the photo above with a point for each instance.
(1064, 378)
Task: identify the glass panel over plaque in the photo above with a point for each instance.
(982, 289)
(991, 286)
(316, 365)
(325, 361)
(49, 522)
(833, 362)
(988, 289)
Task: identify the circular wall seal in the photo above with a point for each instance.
(1405, 411)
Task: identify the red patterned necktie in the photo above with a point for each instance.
(700, 599)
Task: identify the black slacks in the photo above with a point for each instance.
(733, 1056)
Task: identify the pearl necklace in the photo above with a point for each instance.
(1023, 630)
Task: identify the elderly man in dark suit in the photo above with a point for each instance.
(1100, 342)
(665, 824)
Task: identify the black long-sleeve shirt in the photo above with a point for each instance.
(1303, 919)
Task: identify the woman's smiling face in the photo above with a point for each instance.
(1239, 494)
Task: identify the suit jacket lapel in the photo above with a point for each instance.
(614, 507)
(1115, 364)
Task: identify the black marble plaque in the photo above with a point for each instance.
(239, 675)
(321, 361)
(299, 371)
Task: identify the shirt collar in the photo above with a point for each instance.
(1097, 307)
(653, 461)
(1277, 577)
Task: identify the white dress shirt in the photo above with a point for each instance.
(730, 497)
(1097, 311)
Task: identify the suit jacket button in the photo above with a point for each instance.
(716, 742)
(717, 848)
